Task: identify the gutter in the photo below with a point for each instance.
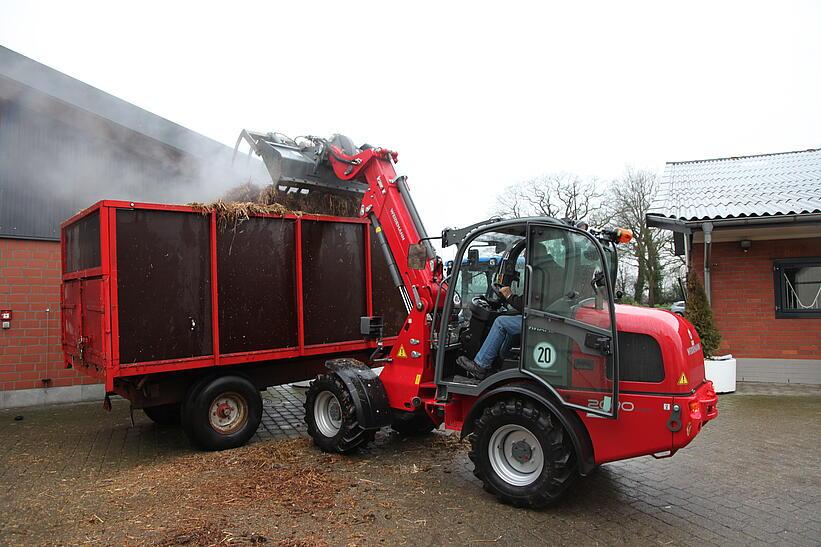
(690, 226)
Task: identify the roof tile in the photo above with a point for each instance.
(771, 184)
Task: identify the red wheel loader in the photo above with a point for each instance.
(586, 382)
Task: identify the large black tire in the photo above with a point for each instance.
(331, 417)
(517, 479)
(164, 414)
(221, 413)
(412, 424)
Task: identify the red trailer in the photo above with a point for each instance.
(157, 298)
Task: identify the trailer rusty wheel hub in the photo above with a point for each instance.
(228, 413)
(327, 414)
(515, 455)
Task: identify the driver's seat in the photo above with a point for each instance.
(546, 279)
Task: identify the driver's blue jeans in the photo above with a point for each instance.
(500, 339)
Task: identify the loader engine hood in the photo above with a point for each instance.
(672, 339)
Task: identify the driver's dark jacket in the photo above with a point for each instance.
(517, 302)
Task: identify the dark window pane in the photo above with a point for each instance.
(802, 286)
(83, 243)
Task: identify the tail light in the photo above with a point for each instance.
(695, 410)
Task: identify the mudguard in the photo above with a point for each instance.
(569, 419)
(366, 390)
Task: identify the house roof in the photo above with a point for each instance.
(767, 185)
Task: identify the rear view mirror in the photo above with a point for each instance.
(473, 258)
(417, 256)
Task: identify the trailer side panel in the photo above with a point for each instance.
(164, 285)
(257, 285)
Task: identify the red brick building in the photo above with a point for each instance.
(63, 146)
(751, 228)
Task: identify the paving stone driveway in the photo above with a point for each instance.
(753, 476)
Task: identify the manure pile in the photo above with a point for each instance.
(242, 202)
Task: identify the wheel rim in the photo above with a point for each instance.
(516, 455)
(228, 413)
(328, 414)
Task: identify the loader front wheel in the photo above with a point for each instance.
(522, 454)
(330, 415)
(222, 413)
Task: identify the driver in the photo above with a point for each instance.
(502, 334)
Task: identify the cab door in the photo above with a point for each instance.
(569, 335)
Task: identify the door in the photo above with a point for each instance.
(569, 340)
(83, 320)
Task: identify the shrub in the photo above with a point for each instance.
(697, 311)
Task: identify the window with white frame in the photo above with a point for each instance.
(798, 287)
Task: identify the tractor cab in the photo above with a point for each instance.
(560, 278)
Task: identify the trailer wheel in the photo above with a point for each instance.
(412, 424)
(331, 418)
(164, 414)
(222, 413)
(522, 454)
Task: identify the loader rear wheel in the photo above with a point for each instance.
(522, 454)
(222, 413)
(412, 424)
(164, 414)
(331, 417)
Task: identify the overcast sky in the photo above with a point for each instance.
(474, 98)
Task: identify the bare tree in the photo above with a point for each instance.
(560, 195)
(650, 252)
(644, 264)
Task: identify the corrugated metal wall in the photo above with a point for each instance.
(50, 169)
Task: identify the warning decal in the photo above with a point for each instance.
(682, 381)
(418, 379)
(401, 353)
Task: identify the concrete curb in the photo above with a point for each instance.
(51, 395)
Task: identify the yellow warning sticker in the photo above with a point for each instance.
(418, 379)
(401, 353)
(682, 381)
(378, 229)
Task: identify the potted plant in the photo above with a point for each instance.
(720, 369)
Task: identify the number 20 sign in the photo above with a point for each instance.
(544, 355)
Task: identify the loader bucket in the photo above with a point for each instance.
(300, 167)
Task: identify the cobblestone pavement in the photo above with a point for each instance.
(752, 477)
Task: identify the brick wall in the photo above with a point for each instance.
(30, 353)
(743, 300)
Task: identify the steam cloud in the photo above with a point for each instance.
(56, 158)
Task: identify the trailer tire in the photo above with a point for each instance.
(164, 414)
(330, 414)
(522, 454)
(222, 413)
(412, 424)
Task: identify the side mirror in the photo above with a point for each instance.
(417, 256)
(473, 258)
